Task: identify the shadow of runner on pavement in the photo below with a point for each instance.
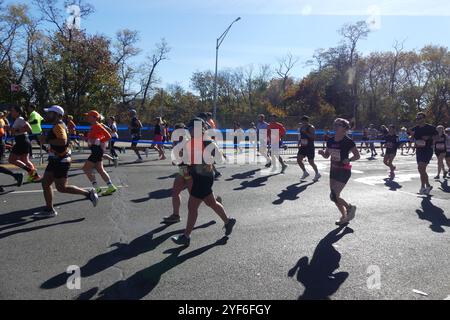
(318, 276)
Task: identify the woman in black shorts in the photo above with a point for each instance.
(20, 152)
(202, 182)
(339, 148)
(440, 151)
(392, 144)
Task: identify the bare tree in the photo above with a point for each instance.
(160, 54)
(125, 49)
(284, 68)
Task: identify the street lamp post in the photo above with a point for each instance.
(218, 44)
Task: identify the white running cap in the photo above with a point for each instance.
(56, 109)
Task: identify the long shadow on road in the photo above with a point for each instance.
(318, 275)
(433, 214)
(243, 175)
(25, 230)
(291, 193)
(256, 183)
(156, 195)
(122, 252)
(143, 282)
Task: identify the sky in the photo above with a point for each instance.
(267, 31)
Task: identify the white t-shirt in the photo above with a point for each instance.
(18, 124)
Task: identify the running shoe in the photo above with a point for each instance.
(317, 177)
(217, 175)
(445, 174)
(182, 240)
(172, 219)
(351, 213)
(19, 179)
(428, 190)
(139, 161)
(229, 226)
(305, 175)
(343, 221)
(34, 177)
(111, 189)
(98, 190)
(422, 191)
(392, 175)
(93, 197)
(437, 177)
(46, 214)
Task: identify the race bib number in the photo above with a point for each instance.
(335, 154)
(304, 142)
(420, 143)
(440, 146)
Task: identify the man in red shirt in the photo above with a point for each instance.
(274, 125)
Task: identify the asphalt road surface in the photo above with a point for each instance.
(284, 246)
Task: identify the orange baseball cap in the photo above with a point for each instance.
(93, 113)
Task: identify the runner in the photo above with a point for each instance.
(59, 164)
(383, 133)
(365, 138)
(158, 139)
(135, 131)
(72, 128)
(182, 181)
(202, 183)
(338, 148)
(274, 125)
(20, 152)
(307, 148)
(97, 139)
(210, 120)
(2, 136)
(17, 176)
(447, 154)
(114, 137)
(392, 143)
(373, 135)
(424, 134)
(440, 151)
(404, 139)
(261, 125)
(35, 120)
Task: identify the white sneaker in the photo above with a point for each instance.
(422, 190)
(317, 177)
(305, 175)
(46, 214)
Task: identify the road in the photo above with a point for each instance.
(285, 244)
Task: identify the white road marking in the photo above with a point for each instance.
(374, 180)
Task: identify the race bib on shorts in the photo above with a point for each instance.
(335, 155)
(420, 143)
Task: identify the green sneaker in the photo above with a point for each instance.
(98, 190)
(109, 191)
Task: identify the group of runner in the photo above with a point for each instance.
(198, 178)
